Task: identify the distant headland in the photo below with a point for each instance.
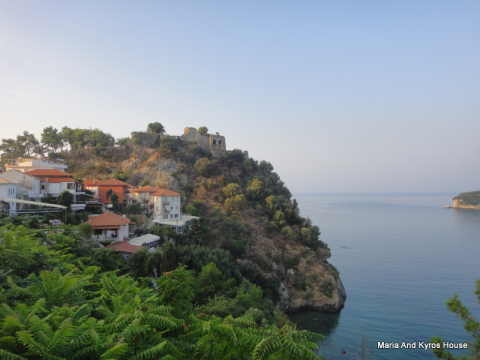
(467, 200)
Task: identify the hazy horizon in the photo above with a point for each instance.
(342, 97)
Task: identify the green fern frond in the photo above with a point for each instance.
(114, 352)
(7, 355)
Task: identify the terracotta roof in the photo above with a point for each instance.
(92, 182)
(145, 189)
(124, 246)
(109, 220)
(166, 192)
(113, 182)
(57, 179)
(47, 172)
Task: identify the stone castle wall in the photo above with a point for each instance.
(145, 139)
(215, 143)
(209, 142)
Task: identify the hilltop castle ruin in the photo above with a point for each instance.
(213, 143)
(209, 142)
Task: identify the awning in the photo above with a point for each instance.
(34, 203)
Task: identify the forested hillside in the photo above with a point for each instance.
(251, 254)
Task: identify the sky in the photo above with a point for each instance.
(340, 96)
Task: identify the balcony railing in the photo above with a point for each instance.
(103, 237)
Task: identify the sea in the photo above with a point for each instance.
(401, 256)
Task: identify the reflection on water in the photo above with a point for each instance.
(321, 323)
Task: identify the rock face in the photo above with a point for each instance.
(313, 300)
(158, 171)
(458, 204)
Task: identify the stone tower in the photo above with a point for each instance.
(213, 143)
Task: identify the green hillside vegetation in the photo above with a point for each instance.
(211, 293)
(469, 198)
(62, 298)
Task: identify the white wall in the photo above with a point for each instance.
(167, 206)
(9, 191)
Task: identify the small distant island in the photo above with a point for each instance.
(467, 200)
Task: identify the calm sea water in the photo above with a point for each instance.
(400, 257)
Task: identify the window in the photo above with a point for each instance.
(71, 186)
(165, 216)
(214, 142)
(219, 142)
(43, 186)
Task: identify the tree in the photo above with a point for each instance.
(156, 128)
(29, 143)
(256, 190)
(170, 258)
(175, 290)
(109, 193)
(117, 207)
(65, 198)
(86, 230)
(203, 167)
(25, 145)
(471, 324)
(80, 138)
(203, 130)
(122, 141)
(235, 203)
(232, 190)
(51, 139)
(11, 149)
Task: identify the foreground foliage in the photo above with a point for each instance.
(471, 324)
(58, 305)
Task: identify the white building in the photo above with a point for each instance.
(32, 163)
(110, 226)
(29, 186)
(53, 182)
(166, 204)
(8, 190)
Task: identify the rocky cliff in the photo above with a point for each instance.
(467, 200)
(459, 204)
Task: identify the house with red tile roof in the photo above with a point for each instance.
(124, 248)
(166, 204)
(101, 188)
(110, 226)
(161, 203)
(53, 182)
(129, 246)
(144, 197)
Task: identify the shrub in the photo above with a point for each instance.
(327, 288)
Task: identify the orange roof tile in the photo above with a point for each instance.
(47, 172)
(124, 246)
(109, 220)
(92, 182)
(58, 179)
(166, 192)
(145, 189)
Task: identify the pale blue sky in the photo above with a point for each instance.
(339, 96)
